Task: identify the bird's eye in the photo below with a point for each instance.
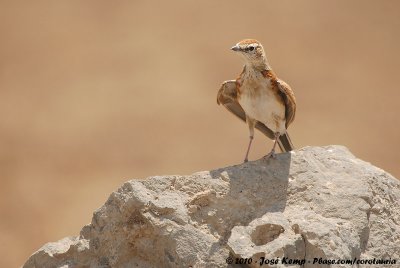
(251, 48)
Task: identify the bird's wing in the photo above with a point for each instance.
(227, 96)
(290, 102)
(227, 93)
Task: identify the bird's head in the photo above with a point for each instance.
(252, 51)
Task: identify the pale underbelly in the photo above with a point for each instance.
(266, 109)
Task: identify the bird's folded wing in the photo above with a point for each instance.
(227, 96)
(290, 102)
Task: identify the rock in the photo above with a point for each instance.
(317, 202)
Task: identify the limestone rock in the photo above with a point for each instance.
(317, 202)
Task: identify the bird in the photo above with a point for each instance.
(259, 97)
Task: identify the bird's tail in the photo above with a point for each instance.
(284, 142)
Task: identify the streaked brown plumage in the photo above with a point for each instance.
(259, 97)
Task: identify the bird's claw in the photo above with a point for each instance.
(271, 154)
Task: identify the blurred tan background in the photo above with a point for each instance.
(93, 93)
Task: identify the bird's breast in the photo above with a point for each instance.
(261, 102)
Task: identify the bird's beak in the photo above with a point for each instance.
(236, 48)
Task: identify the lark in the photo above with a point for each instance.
(259, 97)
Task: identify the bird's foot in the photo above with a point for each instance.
(271, 154)
(245, 160)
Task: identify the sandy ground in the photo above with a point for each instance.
(93, 93)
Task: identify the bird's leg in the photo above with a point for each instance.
(272, 152)
(246, 159)
(251, 123)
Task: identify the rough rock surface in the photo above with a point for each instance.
(317, 202)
